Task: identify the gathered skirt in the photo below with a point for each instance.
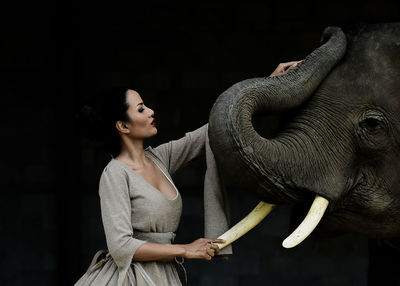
(104, 271)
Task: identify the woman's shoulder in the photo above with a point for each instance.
(152, 152)
(114, 179)
(115, 167)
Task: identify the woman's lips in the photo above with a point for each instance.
(153, 122)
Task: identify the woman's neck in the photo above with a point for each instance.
(132, 153)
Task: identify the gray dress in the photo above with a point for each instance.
(134, 212)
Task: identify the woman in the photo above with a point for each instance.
(140, 204)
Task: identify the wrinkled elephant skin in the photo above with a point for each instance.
(342, 141)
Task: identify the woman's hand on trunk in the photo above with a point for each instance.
(284, 68)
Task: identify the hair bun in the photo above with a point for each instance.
(86, 110)
(90, 122)
(98, 116)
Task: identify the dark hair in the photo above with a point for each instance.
(98, 117)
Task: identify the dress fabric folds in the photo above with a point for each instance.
(134, 212)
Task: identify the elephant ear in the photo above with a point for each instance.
(242, 152)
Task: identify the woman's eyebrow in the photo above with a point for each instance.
(141, 103)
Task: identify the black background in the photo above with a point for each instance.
(179, 57)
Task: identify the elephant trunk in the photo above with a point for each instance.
(257, 163)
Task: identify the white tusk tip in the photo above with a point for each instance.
(288, 244)
(309, 223)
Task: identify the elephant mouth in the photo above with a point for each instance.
(312, 219)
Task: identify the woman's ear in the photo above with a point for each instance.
(122, 127)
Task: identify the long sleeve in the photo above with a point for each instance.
(116, 215)
(216, 209)
(176, 154)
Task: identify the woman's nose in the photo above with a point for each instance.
(151, 113)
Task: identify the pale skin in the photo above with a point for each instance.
(142, 125)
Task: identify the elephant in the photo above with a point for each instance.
(337, 135)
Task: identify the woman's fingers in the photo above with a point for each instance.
(209, 247)
(217, 240)
(284, 68)
(214, 246)
(210, 252)
(293, 65)
(288, 64)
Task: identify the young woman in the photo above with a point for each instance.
(140, 204)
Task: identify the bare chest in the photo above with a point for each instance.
(156, 178)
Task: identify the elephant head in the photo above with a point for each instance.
(342, 141)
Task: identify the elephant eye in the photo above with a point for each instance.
(374, 130)
(374, 126)
(370, 123)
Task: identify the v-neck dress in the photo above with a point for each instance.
(134, 212)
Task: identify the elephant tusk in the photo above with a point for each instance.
(309, 223)
(246, 224)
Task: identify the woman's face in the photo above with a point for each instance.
(143, 124)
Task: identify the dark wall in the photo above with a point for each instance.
(179, 57)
